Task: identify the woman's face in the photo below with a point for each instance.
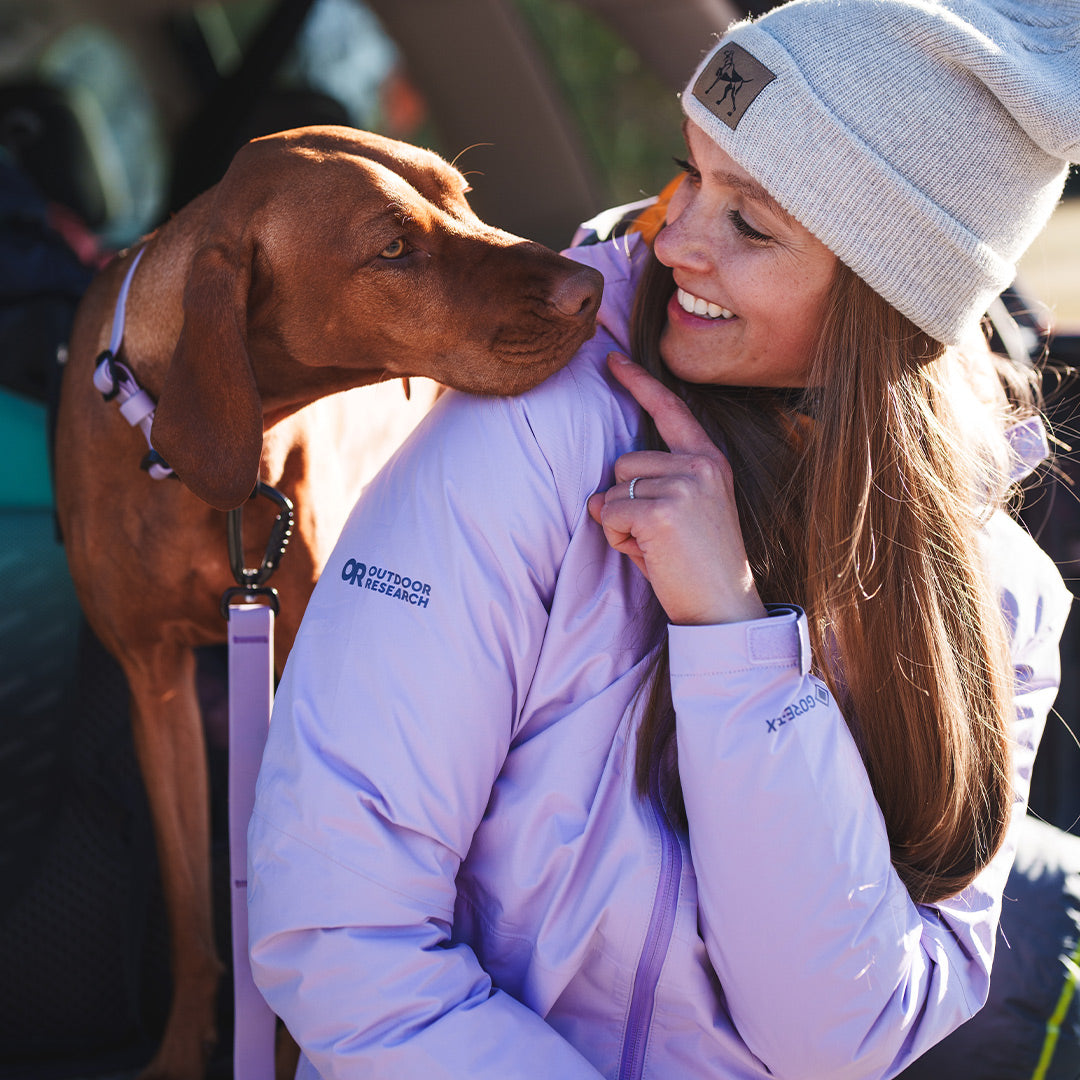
(751, 281)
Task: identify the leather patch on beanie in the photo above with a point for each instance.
(729, 83)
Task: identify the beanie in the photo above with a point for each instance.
(925, 143)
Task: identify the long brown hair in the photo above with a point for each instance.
(860, 499)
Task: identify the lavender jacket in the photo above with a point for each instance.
(450, 872)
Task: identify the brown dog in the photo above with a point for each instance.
(326, 259)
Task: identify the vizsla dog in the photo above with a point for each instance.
(326, 259)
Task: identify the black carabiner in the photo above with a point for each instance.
(250, 582)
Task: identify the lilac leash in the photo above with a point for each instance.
(251, 664)
(249, 608)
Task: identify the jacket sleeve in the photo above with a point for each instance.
(828, 967)
(391, 723)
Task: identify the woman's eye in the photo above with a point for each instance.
(744, 228)
(687, 167)
(394, 250)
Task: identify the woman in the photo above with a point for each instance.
(700, 754)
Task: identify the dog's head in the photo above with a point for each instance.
(329, 258)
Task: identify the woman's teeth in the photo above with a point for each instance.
(696, 306)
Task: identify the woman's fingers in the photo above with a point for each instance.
(673, 513)
(674, 420)
(645, 463)
(618, 535)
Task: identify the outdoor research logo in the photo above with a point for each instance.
(728, 85)
(380, 580)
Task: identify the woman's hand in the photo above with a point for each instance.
(681, 528)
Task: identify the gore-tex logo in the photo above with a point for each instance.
(380, 580)
(820, 696)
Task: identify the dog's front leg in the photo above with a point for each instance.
(170, 746)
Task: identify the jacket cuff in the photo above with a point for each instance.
(780, 639)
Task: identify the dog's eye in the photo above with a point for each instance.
(395, 249)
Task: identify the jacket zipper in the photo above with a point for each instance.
(657, 939)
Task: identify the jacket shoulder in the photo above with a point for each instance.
(580, 417)
(1033, 596)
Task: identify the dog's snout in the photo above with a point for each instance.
(579, 292)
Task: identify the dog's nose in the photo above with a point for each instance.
(579, 293)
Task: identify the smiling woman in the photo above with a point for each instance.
(457, 872)
(733, 248)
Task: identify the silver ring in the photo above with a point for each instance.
(632, 483)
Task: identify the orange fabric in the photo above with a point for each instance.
(651, 220)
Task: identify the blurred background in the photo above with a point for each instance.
(114, 113)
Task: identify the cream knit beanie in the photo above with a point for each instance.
(925, 143)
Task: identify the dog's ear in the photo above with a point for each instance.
(208, 422)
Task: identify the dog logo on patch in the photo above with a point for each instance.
(728, 85)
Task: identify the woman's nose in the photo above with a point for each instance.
(680, 245)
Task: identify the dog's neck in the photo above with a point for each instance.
(288, 382)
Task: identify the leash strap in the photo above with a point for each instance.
(251, 663)
(249, 609)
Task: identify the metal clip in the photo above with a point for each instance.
(250, 583)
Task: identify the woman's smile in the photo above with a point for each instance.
(696, 305)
